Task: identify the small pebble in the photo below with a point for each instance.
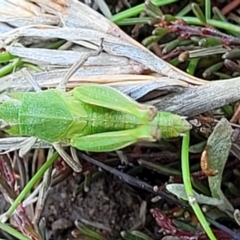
(61, 224)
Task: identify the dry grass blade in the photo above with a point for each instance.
(116, 42)
(218, 148)
(84, 28)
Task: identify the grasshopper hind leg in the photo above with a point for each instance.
(107, 97)
(111, 141)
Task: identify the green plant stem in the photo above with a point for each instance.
(10, 67)
(207, 9)
(215, 23)
(6, 56)
(188, 187)
(184, 11)
(195, 21)
(12, 231)
(31, 183)
(192, 66)
(131, 12)
(135, 20)
(198, 13)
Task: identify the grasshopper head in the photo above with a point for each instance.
(171, 125)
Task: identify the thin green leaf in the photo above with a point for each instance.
(207, 9)
(180, 192)
(188, 187)
(12, 231)
(137, 10)
(31, 183)
(198, 13)
(218, 148)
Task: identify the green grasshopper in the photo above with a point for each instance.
(93, 118)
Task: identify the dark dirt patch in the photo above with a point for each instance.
(109, 202)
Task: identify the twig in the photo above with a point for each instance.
(197, 100)
(129, 179)
(181, 28)
(229, 7)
